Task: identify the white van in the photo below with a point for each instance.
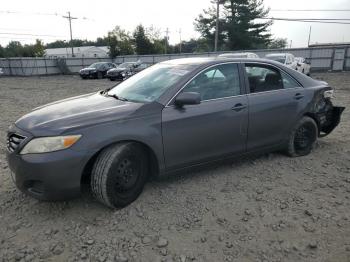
(284, 58)
(239, 55)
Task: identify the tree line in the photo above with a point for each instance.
(241, 27)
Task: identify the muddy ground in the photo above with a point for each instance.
(266, 208)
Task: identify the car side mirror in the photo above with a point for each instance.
(188, 98)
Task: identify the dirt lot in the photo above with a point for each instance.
(266, 208)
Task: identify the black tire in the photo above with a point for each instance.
(112, 79)
(99, 75)
(83, 77)
(303, 137)
(119, 174)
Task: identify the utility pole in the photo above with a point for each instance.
(180, 40)
(166, 39)
(308, 42)
(291, 41)
(217, 26)
(70, 28)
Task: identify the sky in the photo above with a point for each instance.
(21, 19)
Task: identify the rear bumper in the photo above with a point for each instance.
(331, 120)
(48, 176)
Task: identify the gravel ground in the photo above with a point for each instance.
(266, 208)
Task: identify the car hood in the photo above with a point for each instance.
(117, 70)
(76, 112)
(88, 69)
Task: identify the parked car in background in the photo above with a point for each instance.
(303, 65)
(141, 67)
(96, 70)
(173, 115)
(1, 72)
(239, 55)
(284, 58)
(124, 70)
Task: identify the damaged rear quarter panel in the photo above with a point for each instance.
(323, 111)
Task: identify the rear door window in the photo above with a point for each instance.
(264, 78)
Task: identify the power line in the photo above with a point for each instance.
(310, 10)
(316, 19)
(305, 20)
(11, 33)
(39, 14)
(28, 13)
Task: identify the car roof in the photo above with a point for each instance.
(203, 61)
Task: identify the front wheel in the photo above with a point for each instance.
(303, 137)
(119, 174)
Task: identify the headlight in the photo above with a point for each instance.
(49, 144)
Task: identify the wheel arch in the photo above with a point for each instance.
(154, 167)
(316, 119)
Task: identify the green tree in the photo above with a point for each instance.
(119, 42)
(38, 48)
(238, 27)
(14, 49)
(278, 43)
(57, 44)
(2, 51)
(143, 44)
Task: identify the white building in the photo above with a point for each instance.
(79, 52)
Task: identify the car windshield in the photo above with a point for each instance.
(124, 65)
(95, 65)
(280, 59)
(151, 83)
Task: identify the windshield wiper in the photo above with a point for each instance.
(117, 97)
(103, 92)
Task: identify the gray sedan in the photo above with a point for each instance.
(173, 115)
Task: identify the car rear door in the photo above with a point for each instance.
(215, 127)
(275, 100)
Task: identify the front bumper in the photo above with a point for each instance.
(88, 74)
(116, 76)
(47, 176)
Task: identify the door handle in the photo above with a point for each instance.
(238, 107)
(298, 96)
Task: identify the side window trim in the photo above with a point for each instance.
(241, 83)
(269, 65)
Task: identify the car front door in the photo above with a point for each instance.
(215, 127)
(275, 103)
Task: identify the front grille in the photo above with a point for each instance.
(13, 141)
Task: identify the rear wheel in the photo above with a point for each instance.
(99, 75)
(302, 137)
(119, 174)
